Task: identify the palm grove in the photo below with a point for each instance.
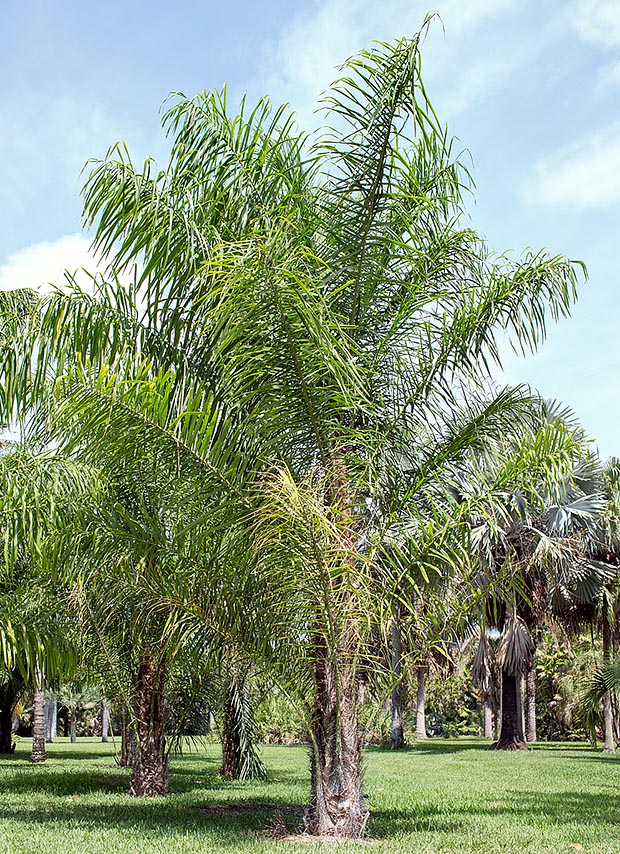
(266, 445)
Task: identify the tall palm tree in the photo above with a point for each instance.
(320, 301)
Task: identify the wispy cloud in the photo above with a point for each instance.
(581, 176)
(304, 60)
(43, 264)
(608, 77)
(597, 21)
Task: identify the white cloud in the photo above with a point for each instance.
(310, 49)
(42, 264)
(598, 21)
(580, 176)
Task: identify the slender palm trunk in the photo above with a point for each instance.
(38, 718)
(150, 772)
(530, 692)
(488, 720)
(231, 757)
(609, 745)
(73, 729)
(51, 718)
(511, 733)
(105, 720)
(240, 758)
(127, 757)
(337, 801)
(420, 723)
(397, 738)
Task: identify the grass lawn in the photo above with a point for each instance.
(454, 796)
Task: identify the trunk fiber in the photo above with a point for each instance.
(38, 719)
(127, 758)
(337, 801)
(511, 734)
(150, 771)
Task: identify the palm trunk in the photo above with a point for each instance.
(51, 718)
(231, 758)
(420, 722)
(337, 801)
(128, 743)
(397, 738)
(511, 735)
(608, 715)
(240, 759)
(38, 718)
(530, 686)
(105, 720)
(73, 729)
(488, 720)
(150, 773)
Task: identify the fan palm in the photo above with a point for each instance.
(536, 536)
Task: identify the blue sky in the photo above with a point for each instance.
(530, 87)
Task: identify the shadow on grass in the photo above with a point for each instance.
(167, 817)
(23, 757)
(66, 780)
(229, 820)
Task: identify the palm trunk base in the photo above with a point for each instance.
(150, 777)
(511, 733)
(509, 744)
(337, 808)
(150, 769)
(323, 822)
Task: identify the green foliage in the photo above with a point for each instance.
(279, 720)
(561, 669)
(452, 705)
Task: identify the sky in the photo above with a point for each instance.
(531, 89)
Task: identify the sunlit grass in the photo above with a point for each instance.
(451, 796)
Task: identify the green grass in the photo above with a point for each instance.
(443, 796)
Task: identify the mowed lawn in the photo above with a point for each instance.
(441, 796)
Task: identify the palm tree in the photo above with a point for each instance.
(36, 489)
(320, 302)
(536, 536)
